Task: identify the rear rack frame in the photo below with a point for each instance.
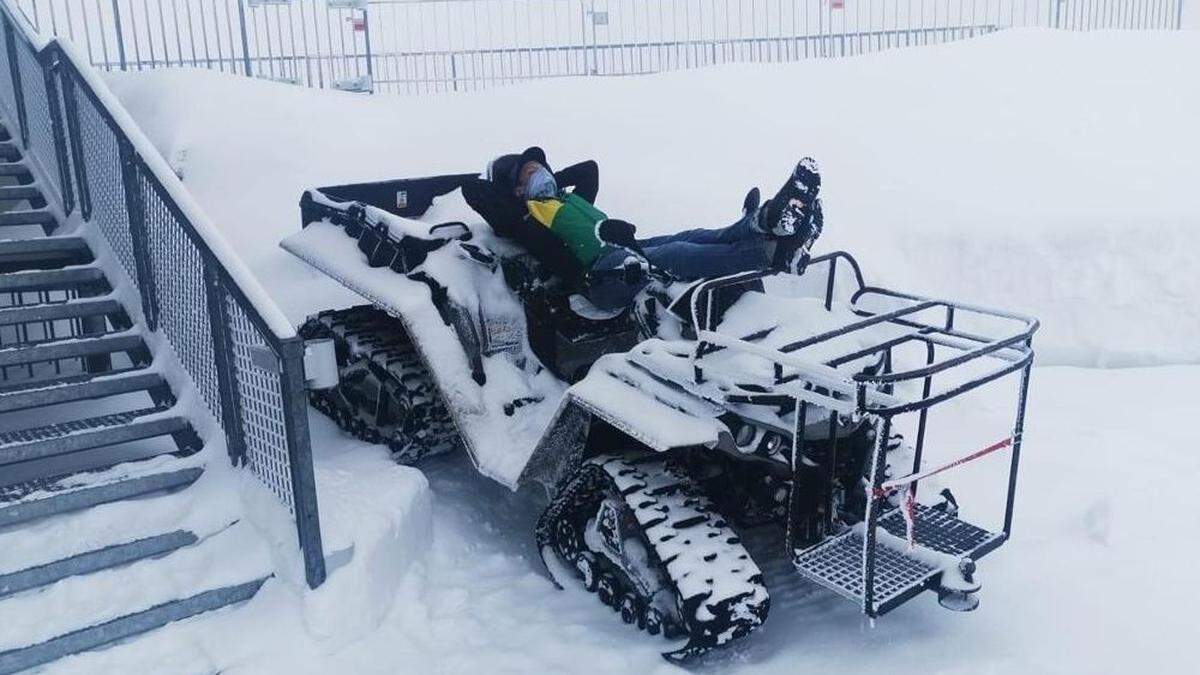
(872, 393)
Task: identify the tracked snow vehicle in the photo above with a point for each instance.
(751, 400)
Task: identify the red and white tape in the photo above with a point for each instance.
(910, 500)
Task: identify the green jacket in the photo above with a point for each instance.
(574, 220)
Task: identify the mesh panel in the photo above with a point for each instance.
(838, 565)
(262, 405)
(37, 116)
(179, 289)
(102, 166)
(67, 157)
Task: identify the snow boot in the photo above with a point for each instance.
(782, 215)
(792, 251)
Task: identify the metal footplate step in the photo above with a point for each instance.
(900, 574)
(937, 530)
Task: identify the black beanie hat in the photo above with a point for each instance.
(531, 154)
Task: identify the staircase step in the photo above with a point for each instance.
(98, 387)
(9, 151)
(70, 348)
(57, 311)
(13, 169)
(49, 280)
(94, 561)
(105, 493)
(127, 626)
(27, 217)
(43, 250)
(97, 432)
(84, 612)
(62, 380)
(19, 192)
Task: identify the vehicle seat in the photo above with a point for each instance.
(584, 308)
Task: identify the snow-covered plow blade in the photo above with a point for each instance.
(902, 546)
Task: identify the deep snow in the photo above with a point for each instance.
(1046, 172)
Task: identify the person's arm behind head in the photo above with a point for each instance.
(584, 177)
(501, 211)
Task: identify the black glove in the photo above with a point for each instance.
(618, 233)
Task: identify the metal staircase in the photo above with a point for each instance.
(106, 516)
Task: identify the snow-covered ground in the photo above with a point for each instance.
(1097, 579)
(1034, 170)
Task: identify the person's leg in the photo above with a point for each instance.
(738, 231)
(690, 261)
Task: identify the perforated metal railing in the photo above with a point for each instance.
(245, 361)
(266, 445)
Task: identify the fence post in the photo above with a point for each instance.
(227, 386)
(83, 193)
(137, 232)
(304, 488)
(245, 40)
(50, 61)
(120, 34)
(14, 69)
(367, 46)
(595, 57)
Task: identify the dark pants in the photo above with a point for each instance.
(688, 256)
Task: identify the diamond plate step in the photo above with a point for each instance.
(100, 387)
(76, 436)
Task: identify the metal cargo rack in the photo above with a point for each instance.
(856, 563)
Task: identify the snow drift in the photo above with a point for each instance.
(1051, 173)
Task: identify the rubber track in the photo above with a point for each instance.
(720, 587)
(371, 343)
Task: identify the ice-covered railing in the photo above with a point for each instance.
(239, 349)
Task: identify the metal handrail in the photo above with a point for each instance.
(144, 174)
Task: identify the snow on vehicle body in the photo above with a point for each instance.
(648, 428)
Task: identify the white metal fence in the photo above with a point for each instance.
(418, 46)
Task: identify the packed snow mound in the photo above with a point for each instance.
(1046, 172)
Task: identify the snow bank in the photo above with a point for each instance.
(1041, 171)
(375, 523)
